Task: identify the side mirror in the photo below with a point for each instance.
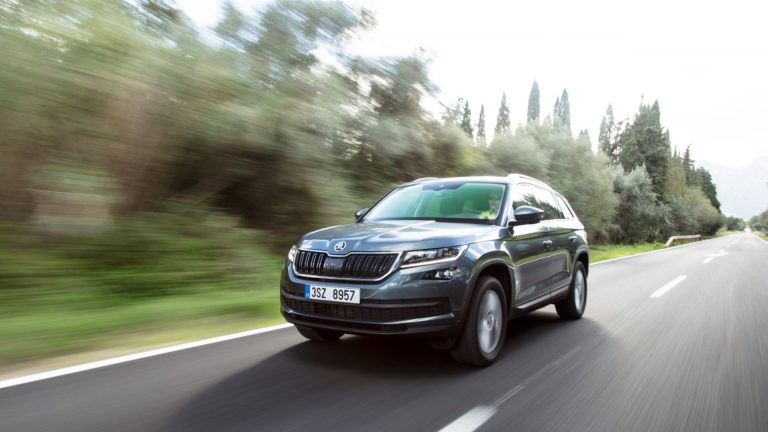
(527, 215)
(360, 213)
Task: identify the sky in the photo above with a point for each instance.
(705, 62)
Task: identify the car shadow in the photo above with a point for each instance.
(356, 370)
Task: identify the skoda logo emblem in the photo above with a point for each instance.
(340, 246)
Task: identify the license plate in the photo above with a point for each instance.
(332, 294)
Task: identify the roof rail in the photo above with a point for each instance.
(520, 176)
(424, 179)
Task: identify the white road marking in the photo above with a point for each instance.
(471, 420)
(652, 252)
(663, 290)
(132, 357)
(719, 253)
(477, 416)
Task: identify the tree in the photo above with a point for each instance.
(690, 175)
(562, 111)
(466, 120)
(708, 187)
(646, 143)
(533, 103)
(733, 223)
(606, 140)
(639, 217)
(480, 138)
(502, 119)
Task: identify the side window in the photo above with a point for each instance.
(548, 204)
(522, 195)
(564, 207)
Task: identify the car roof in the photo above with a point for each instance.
(510, 179)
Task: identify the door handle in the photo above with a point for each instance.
(547, 243)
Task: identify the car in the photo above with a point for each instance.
(448, 259)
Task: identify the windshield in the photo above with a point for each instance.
(450, 201)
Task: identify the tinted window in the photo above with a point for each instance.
(461, 201)
(564, 207)
(522, 195)
(547, 203)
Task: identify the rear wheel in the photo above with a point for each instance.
(483, 335)
(318, 334)
(574, 304)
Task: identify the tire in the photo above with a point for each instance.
(574, 304)
(318, 334)
(482, 338)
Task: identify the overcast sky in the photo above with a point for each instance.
(706, 62)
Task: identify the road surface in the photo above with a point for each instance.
(671, 341)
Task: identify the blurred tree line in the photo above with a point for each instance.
(111, 109)
(759, 222)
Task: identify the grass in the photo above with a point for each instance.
(151, 281)
(605, 252)
(724, 233)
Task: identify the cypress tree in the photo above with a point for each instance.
(533, 103)
(502, 119)
(563, 110)
(690, 175)
(466, 120)
(605, 139)
(480, 139)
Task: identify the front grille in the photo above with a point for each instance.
(359, 266)
(379, 311)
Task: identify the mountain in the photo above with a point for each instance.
(742, 191)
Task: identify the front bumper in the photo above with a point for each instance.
(401, 304)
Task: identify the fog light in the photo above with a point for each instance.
(442, 274)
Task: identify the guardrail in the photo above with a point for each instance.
(683, 239)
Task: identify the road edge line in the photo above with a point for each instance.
(652, 252)
(40, 376)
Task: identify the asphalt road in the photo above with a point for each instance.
(647, 356)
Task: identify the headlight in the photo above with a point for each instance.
(432, 256)
(292, 253)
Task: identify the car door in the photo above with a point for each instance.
(559, 239)
(529, 250)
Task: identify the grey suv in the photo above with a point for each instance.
(451, 259)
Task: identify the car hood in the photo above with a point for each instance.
(397, 235)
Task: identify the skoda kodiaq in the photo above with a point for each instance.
(450, 259)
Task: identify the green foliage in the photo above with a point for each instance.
(759, 222)
(692, 213)
(562, 111)
(480, 139)
(502, 118)
(639, 217)
(607, 140)
(551, 154)
(733, 223)
(466, 120)
(646, 143)
(534, 107)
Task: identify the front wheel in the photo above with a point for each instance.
(483, 335)
(574, 304)
(318, 334)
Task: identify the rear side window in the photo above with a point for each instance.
(523, 195)
(547, 203)
(529, 195)
(564, 207)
